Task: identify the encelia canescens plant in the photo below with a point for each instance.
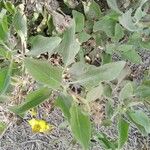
(75, 80)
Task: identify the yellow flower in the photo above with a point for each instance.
(40, 125)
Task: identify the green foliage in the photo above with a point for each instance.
(92, 76)
(3, 25)
(123, 128)
(95, 93)
(83, 37)
(126, 21)
(69, 47)
(44, 72)
(64, 102)
(106, 142)
(3, 126)
(126, 92)
(141, 120)
(20, 23)
(92, 10)
(80, 126)
(33, 99)
(4, 79)
(79, 20)
(41, 44)
(105, 24)
(113, 4)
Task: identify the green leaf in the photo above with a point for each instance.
(123, 128)
(94, 93)
(10, 7)
(107, 90)
(106, 143)
(143, 2)
(80, 126)
(108, 72)
(126, 91)
(89, 26)
(106, 58)
(4, 53)
(83, 36)
(50, 25)
(3, 25)
(3, 126)
(111, 48)
(139, 14)
(119, 33)
(4, 79)
(44, 72)
(32, 100)
(143, 91)
(128, 52)
(106, 25)
(20, 23)
(70, 3)
(124, 73)
(92, 10)
(69, 47)
(126, 21)
(79, 20)
(140, 119)
(109, 110)
(132, 56)
(113, 5)
(145, 45)
(41, 44)
(64, 102)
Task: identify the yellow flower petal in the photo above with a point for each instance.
(40, 125)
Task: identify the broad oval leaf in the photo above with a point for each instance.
(108, 72)
(119, 33)
(126, 91)
(94, 93)
(126, 21)
(129, 52)
(41, 44)
(113, 4)
(10, 7)
(20, 23)
(106, 25)
(3, 25)
(92, 10)
(4, 79)
(32, 100)
(132, 56)
(141, 120)
(123, 128)
(139, 14)
(143, 91)
(80, 126)
(69, 47)
(5, 53)
(79, 20)
(64, 102)
(106, 142)
(44, 72)
(83, 36)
